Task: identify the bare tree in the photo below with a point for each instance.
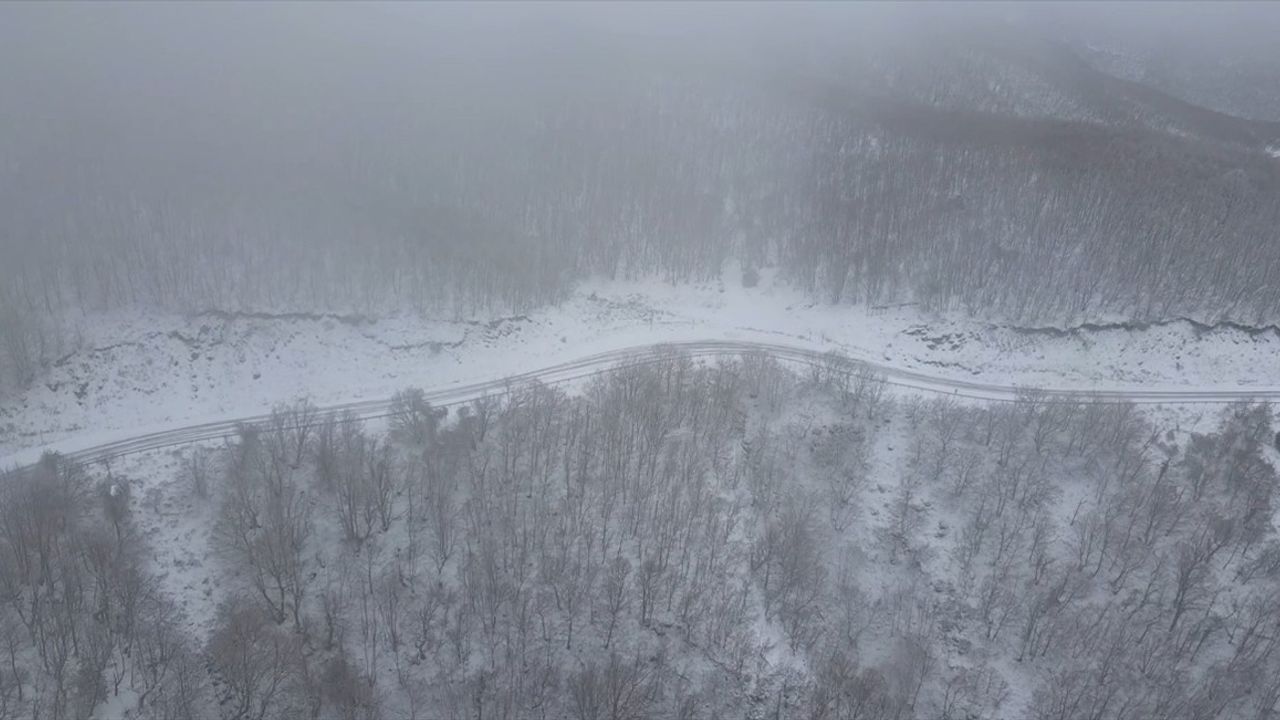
(442, 515)
(841, 454)
(257, 662)
(413, 420)
(616, 594)
(196, 468)
(792, 573)
(263, 526)
(347, 692)
(364, 486)
(619, 690)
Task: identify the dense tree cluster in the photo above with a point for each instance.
(674, 540)
(82, 618)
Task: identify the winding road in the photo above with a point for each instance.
(703, 349)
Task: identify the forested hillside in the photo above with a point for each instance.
(676, 540)
(450, 163)
(632, 361)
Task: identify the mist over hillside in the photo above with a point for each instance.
(632, 361)
(448, 159)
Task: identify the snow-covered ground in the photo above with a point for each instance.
(139, 373)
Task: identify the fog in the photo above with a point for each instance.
(516, 361)
(162, 90)
(450, 158)
(167, 99)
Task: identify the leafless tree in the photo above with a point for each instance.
(263, 527)
(618, 690)
(196, 467)
(413, 420)
(290, 428)
(792, 573)
(841, 454)
(351, 695)
(365, 485)
(616, 594)
(257, 663)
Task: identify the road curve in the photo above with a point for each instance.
(700, 349)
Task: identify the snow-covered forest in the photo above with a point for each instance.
(623, 361)
(739, 539)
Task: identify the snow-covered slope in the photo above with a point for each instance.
(143, 373)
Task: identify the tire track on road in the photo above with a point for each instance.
(592, 365)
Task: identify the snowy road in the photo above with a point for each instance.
(702, 349)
